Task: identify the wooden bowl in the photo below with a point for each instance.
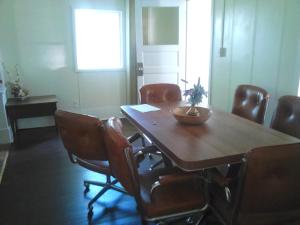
(181, 116)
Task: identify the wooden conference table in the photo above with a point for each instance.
(223, 139)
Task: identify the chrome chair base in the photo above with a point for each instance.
(109, 184)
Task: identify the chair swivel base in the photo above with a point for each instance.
(106, 186)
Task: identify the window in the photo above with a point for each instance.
(98, 39)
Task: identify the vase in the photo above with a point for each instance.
(180, 114)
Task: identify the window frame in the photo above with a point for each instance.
(122, 42)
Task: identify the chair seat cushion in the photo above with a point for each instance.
(95, 165)
(170, 199)
(99, 166)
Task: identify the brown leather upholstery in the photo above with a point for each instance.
(156, 93)
(268, 192)
(180, 193)
(82, 135)
(250, 102)
(83, 138)
(116, 143)
(286, 118)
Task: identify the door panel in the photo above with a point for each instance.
(160, 56)
(160, 41)
(164, 78)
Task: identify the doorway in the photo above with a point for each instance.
(198, 44)
(173, 42)
(160, 41)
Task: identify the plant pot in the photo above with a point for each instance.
(193, 111)
(180, 114)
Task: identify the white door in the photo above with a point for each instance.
(160, 41)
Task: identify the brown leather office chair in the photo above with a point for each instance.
(267, 193)
(158, 93)
(159, 196)
(83, 138)
(250, 102)
(286, 117)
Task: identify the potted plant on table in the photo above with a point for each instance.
(195, 96)
(193, 115)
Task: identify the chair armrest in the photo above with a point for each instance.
(215, 177)
(173, 179)
(149, 149)
(177, 178)
(134, 137)
(166, 183)
(138, 151)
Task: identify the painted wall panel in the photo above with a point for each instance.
(289, 68)
(8, 54)
(242, 44)
(262, 38)
(8, 51)
(221, 66)
(265, 50)
(42, 35)
(165, 78)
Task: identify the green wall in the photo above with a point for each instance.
(38, 35)
(262, 38)
(8, 49)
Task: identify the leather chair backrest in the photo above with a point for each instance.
(157, 93)
(270, 190)
(286, 117)
(116, 144)
(82, 135)
(250, 102)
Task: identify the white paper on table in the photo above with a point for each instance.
(144, 108)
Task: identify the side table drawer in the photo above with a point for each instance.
(26, 111)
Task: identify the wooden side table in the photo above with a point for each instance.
(34, 106)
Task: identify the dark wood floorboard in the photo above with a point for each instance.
(40, 186)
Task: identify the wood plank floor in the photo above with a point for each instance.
(40, 186)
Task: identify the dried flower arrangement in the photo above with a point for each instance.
(195, 94)
(16, 86)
